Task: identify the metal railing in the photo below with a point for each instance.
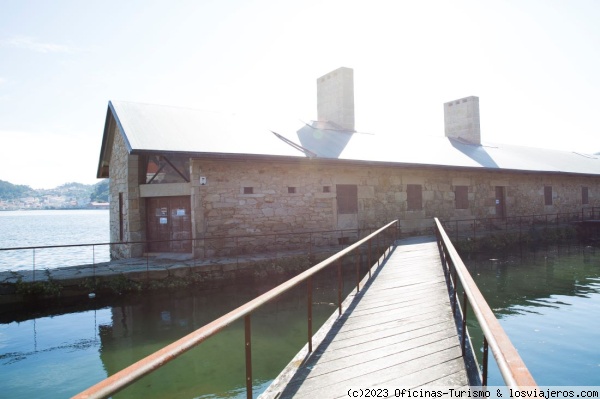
(236, 246)
(511, 366)
(310, 242)
(383, 239)
(475, 228)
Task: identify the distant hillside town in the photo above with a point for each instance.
(66, 196)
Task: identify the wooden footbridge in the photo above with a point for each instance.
(403, 327)
(398, 331)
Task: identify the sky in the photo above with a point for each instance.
(534, 64)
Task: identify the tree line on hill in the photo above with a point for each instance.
(75, 191)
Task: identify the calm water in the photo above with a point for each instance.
(548, 301)
(60, 355)
(59, 227)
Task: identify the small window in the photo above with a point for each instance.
(414, 197)
(248, 190)
(461, 196)
(548, 195)
(291, 190)
(326, 189)
(584, 196)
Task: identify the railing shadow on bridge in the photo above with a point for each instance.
(511, 366)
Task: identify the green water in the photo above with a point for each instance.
(59, 355)
(548, 302)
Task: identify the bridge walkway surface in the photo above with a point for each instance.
(397, 332)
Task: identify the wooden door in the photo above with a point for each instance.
(347, 206)
(500, 202)
(169, 224)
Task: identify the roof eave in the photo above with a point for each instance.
(107, 141)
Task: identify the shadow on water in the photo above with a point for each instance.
(548, 301)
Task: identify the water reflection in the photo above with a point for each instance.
(217, 366)
(88, 345)
(548, 301)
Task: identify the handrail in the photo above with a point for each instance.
(593, 210)
(513, 369)
(203, 238)
(127, 376)
(203, 248)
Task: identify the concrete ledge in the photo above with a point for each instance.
(145, 273)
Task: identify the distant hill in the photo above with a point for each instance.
(100, 192)
(9, 191)
(69, 195)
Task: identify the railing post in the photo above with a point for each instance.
(463, 338)
(370, 264)
(456, 235)
(339, 270)
(309, 306)
(454, 283)
(247, 338)
(94, 265)
(485, 363)
(357, 270)
(378, 253)
(310, 246)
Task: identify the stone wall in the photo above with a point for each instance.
(124, 179)
(221, 208)
(269, 199)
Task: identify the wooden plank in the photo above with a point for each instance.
(398, 331)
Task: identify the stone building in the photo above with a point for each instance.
(180, 177)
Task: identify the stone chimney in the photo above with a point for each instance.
(335, 98)
(461, 120)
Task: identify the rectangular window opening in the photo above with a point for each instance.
(248, 190)
(585, 199)
(291, 190)
(548, 195)
(347, 199)
(461, 197)
(326, 189)
(414, 197)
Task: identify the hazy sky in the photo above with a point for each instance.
(535, 66)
